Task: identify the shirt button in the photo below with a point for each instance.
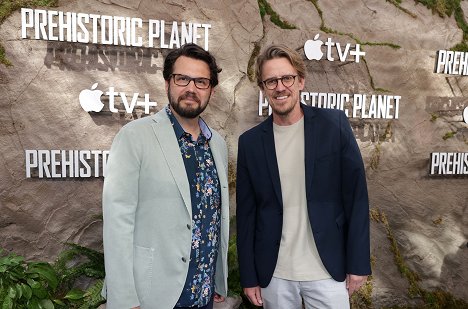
(188, 226)
(184, 259)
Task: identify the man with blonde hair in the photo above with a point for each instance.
(302, 204)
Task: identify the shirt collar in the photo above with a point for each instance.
(179, 130)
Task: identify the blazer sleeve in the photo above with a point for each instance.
(356, 203)
(120, 199)
(245, 219)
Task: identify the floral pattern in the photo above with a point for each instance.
(205, 195)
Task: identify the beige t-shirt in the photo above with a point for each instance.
(298, 257)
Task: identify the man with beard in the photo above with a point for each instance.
(165, 198)
(302, 204)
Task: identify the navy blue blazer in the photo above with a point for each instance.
(336, 190)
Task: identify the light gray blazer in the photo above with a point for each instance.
(148, 216)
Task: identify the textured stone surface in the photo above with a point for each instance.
(39, 109)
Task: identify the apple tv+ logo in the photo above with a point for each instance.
(313, 50)
(90, 100)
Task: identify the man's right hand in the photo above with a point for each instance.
(254, 295)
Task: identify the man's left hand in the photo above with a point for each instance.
(218, 298)
(354, 282)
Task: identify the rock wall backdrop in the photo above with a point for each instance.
(419, 221)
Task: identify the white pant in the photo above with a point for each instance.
(319, 294)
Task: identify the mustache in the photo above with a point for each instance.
(280, 93)
(190, 95)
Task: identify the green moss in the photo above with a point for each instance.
(375, 215)
(358, 41)
(362, 298)
(387, 135)
(462, 47)
(320, 12)
(231, 175)
(434, 117)
(394, 46)
(266, 9)
(437, 221)
(250, 65)
(375, 157)
(3, 58)
(397, 3)
(7, 7)
(442, 299)
(441, 7)
(262, 10)
(449, 135)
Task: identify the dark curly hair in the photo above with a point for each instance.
(192, 51)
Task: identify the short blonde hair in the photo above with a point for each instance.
(279, 51)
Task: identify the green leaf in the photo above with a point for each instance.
(59, 302)
(19, 290)
(47, 304)
(74, 294)
(33, 284)
(40, 292)
(7, 303)
(46, 272)
(27, 292)
(12, 292)
(15, 275)
(16, 259)
(3, 268)
(33, 304)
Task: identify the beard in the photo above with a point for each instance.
(281, 110)
(187, 111)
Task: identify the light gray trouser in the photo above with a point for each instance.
(320, 294)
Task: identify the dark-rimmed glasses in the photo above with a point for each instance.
(184, 80)
(286, 80)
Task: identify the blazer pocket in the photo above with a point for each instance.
(143, 270)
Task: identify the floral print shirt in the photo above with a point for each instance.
(205, 193)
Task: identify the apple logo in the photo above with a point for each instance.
(312, 48)
(90, 100)
(465, 114)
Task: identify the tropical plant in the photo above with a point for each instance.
(41, 285)
(26, 285)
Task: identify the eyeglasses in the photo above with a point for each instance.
(184, 80)
(286, 80)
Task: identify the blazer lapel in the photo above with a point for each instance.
(310, 137)
(219, 162)
(270, 155)
(162, 127)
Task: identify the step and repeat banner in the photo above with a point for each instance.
(80, 71)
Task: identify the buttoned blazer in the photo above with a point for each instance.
(147, 214)
(336, 194)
